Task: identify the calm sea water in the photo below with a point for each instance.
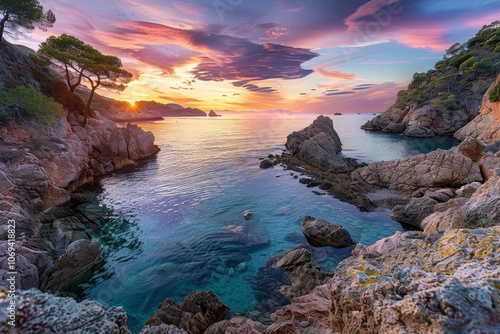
(206, 175)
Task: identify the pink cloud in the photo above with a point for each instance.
(334, 74)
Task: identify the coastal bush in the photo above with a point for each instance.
(28, 105)
(495, 93)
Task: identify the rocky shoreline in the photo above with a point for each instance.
(443, 278)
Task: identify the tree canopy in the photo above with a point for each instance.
(19, 16)
(70, 53)
(82, 62)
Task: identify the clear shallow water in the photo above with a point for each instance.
(206, 175)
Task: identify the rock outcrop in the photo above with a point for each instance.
(40, 170)
(304, 276)
(319, 233)
(197, 312)
(436, 169)
(317, 145)
(411, 284)
(480, 210)
(39, 312)
(486, 125)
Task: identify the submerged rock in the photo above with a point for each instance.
(319, 233)
(39, 312)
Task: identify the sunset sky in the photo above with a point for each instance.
(302, 55)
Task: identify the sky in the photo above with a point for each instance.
(322, 56)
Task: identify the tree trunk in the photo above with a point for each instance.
(87, 107)
(2, 25)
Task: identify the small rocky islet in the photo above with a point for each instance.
(443, 277)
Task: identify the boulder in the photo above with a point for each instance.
(198, 311)
(236, 326)
(319, 233)
(294, 259)
(432, 170)
(408, 283)
(304, 276)
(468, 189)
(79, 257)
(306, 314)
(480, 210)
(317, 145)
(266, 163)
(39, 312)
(414, 212)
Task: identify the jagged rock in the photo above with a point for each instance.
(307, 314)
(485, 126)
(468, 189)
(418, 131)
(236, 326)
(388, 120)
(414, 212)
(39, 312)
(304, 276)
(294, 259)
(411, 284)
(266, 163)
(480, 210)
(436, 169)
(322, 233)
(317, 145)
(198, 311)
(162, 329)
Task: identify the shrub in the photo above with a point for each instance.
(30, 106)
(495, 93)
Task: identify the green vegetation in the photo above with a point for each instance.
(19, 16)
(82, 62)
(495, 93)
(29, 105)
(446, 86)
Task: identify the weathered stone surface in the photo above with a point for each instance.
(162, 329)
(39, 312)
(236, 326)
(322, 233)
(198, 311)
(317, 145)
(414, 212)
(304, 276)
(266, 163)
(294, 259)
(436, 169)
(307, 314)
(410, 284)
(468, 189)
(480, 210)
(485, 126)
(80, 256)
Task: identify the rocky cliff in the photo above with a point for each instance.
(486, 125)
(41, 166)
(445, 99)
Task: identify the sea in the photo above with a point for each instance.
(163, 218)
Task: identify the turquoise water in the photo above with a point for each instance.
(206, 175)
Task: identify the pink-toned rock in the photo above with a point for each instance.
(485, 126)
(436, 169)
(307, 314)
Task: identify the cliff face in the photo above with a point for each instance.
(41, 166)
(485, 126)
